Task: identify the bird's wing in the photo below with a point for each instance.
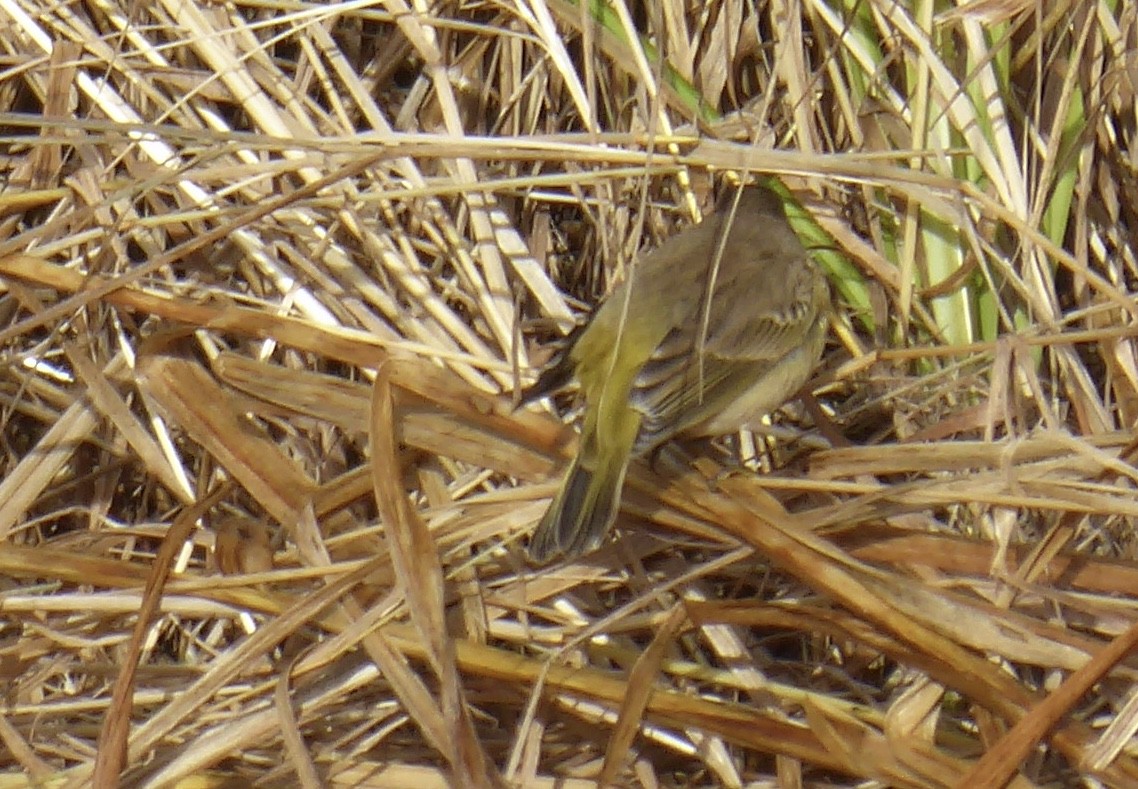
(558, 374)
(679, 387)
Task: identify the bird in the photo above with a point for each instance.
(719, 325)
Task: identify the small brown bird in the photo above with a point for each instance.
(684, 348)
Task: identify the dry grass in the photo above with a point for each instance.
(270, 274)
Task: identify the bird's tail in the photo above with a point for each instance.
(584, 509)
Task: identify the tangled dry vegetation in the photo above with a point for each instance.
(272, 272)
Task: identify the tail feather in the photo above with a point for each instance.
(582, 512)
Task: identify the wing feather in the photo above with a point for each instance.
(676, 392)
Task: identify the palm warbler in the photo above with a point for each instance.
(716, 327)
